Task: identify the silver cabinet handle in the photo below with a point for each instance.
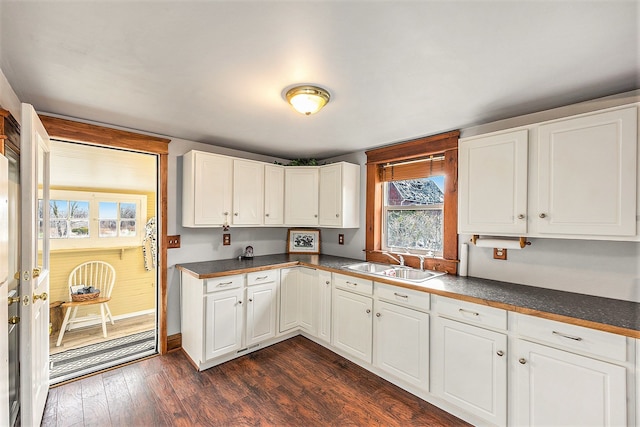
(378, 314)
(473, 313)
(401, 295)
(261, 277)
(327, 282)
(250, 300)
(368, 310)
(543, 215)
(240, 302)
(337, 215)
(521, 216)
(235, 214)
(315, 216)
(351, 283)
(266, 214)
(522, 360)
(571, 337)
(500, 353)
(220, 285)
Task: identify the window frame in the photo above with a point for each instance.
(94, 240)
(442, 144)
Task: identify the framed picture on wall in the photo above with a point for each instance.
(303, 241)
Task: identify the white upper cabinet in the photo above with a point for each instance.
(493, 183)
(339, 202)
(248, 192)
(578, 178)
(273, 195)
(587, 175)
(206, 189)
(301, 195)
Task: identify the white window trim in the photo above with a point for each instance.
(93, 241)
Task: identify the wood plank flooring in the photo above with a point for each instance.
(293, 383)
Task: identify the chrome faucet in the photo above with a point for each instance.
(399, 261)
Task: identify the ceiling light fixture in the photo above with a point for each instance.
(307, 99)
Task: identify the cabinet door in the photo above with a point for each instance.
(289, 296)
(587, 175)
(330, 196)
(324, 305)
(248, 192)
(558, 388)
(261, 312)
(352, 324)
(273, 195)
(301, 196)
(493, 184)
(401, 341)
(470, 368)
(212, 188)
(308, 299)
(223, 323)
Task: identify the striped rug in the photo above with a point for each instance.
(68, 362)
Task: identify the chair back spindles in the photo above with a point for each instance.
(98, 274)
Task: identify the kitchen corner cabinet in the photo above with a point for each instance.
(273, 195)
(577, 179)
(298, 299)
(206, 189)
(248, 192)
(493, 183)
(339, 197)
(301, 195)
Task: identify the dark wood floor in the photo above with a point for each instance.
(293, 383)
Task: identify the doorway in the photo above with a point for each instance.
(103, 207)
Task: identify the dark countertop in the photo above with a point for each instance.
(611, 315)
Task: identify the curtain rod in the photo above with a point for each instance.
(426, 159)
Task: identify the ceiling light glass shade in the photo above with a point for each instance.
(307, 99)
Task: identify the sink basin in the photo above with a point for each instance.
(369, 267)
(394, 271)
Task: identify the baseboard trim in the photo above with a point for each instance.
(174, 342)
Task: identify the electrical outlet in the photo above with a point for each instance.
(173, 242)
(226, 239)
(341, 239)
(500, 254)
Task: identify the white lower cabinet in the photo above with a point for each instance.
(324, 305)
(223, 322)
(401, 343)
(469, 368)
(573, 376)
(299, 299)
(352, 323)
(261, 312)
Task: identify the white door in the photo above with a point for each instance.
(493, 184)
(470, 368)
(248, 192)
(324, 305)
(273, 195)
(289, 296)
(308, 299)
(401, 341)
(34, 271)
(352, 324)
(223, 322)
(587, 175)
(4, 284)
(301, 195)
(558, 388)
(261, 312)
(330, 195)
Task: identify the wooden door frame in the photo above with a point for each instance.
(68, 130)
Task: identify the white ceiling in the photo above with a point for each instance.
(215, 71)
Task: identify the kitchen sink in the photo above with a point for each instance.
(394, 271)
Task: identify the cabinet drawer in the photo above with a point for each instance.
(259, 277)
(572, 337)
(403, 296)
(224, 283)
(471, 313)
(353, 284)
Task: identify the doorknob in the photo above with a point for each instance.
(43, 296)
(36, 272)
(13, 300)
(13, 320)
